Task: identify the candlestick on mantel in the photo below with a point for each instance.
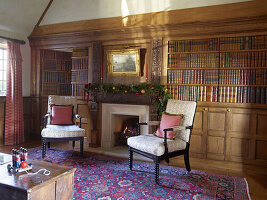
(101, 73)
(147, 71)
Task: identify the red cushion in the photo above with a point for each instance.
(61, 115)
(168, 121)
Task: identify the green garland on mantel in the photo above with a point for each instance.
(159, 92)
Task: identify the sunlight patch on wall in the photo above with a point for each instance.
(124, 12)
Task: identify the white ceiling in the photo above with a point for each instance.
(18, 17)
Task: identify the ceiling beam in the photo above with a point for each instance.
(45, 11)
(12, 40)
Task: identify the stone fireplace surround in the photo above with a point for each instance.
(108, 112)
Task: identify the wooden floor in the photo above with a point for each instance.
(255, 176)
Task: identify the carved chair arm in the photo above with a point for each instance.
(174, 128)
(77, 116)
(150, 123)
(178, 128)
(45, 119)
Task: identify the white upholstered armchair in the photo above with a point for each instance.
(59, 122)
(171, 139)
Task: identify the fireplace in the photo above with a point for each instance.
(113, 116)
(126, 127)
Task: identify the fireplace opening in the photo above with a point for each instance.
(126, 127)
(113, 116)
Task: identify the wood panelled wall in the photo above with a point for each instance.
(31, 118)
(223, 131)
(31, 113)
(230, 132)
(2, 118)
(185, 19)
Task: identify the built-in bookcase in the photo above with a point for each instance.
(230, 69)
(56, 72)
(79, 72)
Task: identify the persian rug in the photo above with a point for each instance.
(107, 178)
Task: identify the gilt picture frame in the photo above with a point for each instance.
(124, 62)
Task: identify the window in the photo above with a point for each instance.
(3, 69)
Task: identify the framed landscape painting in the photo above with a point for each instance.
(124, 62)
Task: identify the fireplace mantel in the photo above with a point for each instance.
(130, 98)
(118, 101)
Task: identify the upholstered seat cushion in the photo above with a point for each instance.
(155, 145)
(57, 131)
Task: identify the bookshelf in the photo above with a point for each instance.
(56, 72)
(227, 70)
(79, 72)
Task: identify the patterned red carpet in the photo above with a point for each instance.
(103, 177)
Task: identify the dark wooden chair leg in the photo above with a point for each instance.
(81, 146)
(130, 159)
(43, 148)
(167, 161)
(186, 161)
(157, 171)
(48, 145)
(73, 144)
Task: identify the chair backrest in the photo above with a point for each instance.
(61, 100)
(188, 109)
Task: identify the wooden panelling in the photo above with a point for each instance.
(1, 131)
(216, 123)
(31, 118)
(183, 17)
(240, 123)
(85, 113)
(196, 144)
(2, 118)
(87, 132)
(83, 110)
(239, 148)
(261, 152)
(198, 137)
(262, 124)
(44, 105)
(216, 130)
(231, 133)
(215, 145)
(198, 122)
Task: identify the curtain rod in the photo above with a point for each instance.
(13, 40)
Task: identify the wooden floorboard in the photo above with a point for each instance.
(256, 176)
